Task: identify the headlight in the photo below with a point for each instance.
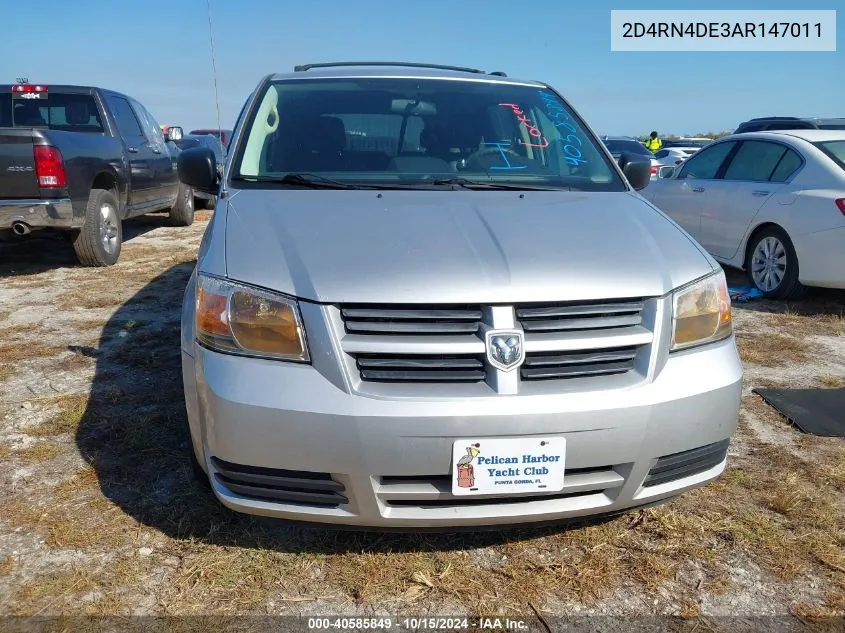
(701, 312)
(235, 318)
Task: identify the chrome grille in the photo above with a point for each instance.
(564, 317)
(550, 365)
(411, 320)
(422, 344)
(403, 368)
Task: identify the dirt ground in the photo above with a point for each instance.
(100, 515)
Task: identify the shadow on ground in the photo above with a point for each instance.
(134, 434)
(41, 253)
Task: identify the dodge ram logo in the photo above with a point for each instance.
(505, 349)
(18, 168)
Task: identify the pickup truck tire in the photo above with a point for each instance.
(182, 212)
(98, 242)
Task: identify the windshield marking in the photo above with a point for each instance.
(502, 146)
(555, 111)
(532, 129)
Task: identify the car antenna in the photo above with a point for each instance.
(214, 72)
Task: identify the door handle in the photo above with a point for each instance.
(760, 193)
(132, 150)
(698, 189)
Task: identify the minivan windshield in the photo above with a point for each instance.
(412, 133)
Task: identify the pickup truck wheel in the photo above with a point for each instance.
(98, 242)
(182, 212)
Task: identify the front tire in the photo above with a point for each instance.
(99, 241)
(182, 212)
(772, 264)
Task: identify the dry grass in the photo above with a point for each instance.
(830, 381)
(7, 566)
(810, 320)
(5, 451)
(39, 452)
(52, 593)
(72, 410)
(772, 349)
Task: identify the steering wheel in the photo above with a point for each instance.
(484, 151)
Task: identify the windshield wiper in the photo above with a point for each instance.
(478, 184)
(312, 181)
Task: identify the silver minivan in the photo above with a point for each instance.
(429, 297)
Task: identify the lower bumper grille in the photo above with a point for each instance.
(686, 464)
(554, 365)
(283, 486)
(435, 491)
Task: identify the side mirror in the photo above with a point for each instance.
(667, 171)
(174, 133)
(637, 170)
(198, 169)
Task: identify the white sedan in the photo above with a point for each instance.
(770, 203)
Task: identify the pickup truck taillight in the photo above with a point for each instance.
(841, 204)
(49, 167)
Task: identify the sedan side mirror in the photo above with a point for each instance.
(198, 169)
(637, 170)
(667, 171)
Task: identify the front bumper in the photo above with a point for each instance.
(392, 456)
(39, 213)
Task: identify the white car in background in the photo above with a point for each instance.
(770, 203)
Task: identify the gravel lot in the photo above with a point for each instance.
(100, 515)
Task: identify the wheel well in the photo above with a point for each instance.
(107, 181)
(751, 237)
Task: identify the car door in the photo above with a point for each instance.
(165, 175)
(683, 196)
(139, 155)
(754, 175)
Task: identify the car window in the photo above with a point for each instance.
(755, 161)
(795, 125)
(788, 165)
(662, 153)
(626, 146)
(835, 150)
(832, 126)
(408, 131)
(152, 130)
(124, 116)
(705, 163)
(68, 112)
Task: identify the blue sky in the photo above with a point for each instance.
(158, 51)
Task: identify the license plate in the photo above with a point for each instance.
(508, 465)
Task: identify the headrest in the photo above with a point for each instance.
(77, 112)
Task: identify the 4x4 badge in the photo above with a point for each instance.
(505, 350)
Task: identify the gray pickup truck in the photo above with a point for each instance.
(81, 160)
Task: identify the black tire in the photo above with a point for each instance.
(182, 212)
(782, 264)
(99, 241)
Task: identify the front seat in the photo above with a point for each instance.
(322, 141)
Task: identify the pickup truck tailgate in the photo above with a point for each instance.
(17, 164)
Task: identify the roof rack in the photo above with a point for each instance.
(776, 118)
(305, 67)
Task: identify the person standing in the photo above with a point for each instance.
(653, 143)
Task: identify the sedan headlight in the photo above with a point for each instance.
(701, 312)
(240, 319)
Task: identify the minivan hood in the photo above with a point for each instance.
(367, 246)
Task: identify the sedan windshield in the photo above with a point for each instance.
(419, 133)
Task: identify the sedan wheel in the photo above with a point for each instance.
(768, 264)
(772, 264)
